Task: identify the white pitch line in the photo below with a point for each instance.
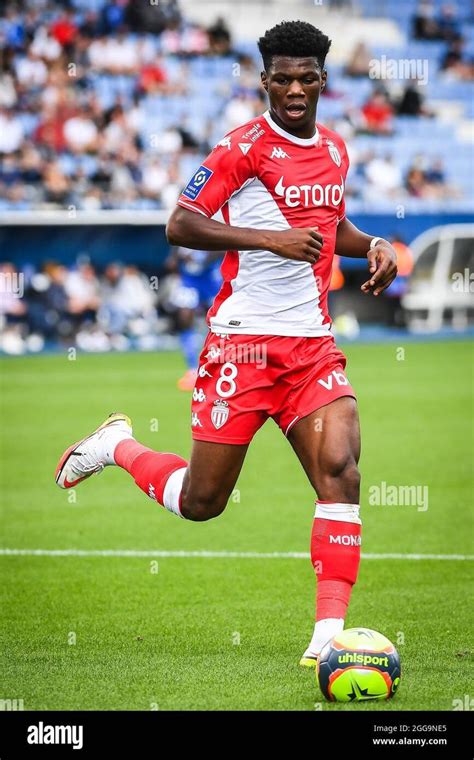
(208, 554)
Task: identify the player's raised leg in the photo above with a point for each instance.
(198, 490)
(327, 443)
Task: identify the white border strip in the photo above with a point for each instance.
(208, 554)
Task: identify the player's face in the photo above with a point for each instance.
(294, 86)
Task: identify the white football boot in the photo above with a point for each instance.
(90, 455)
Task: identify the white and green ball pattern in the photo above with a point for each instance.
(357, 665)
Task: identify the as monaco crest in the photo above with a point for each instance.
(220, 413)
(334, 153)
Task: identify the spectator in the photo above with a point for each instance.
(80, 132)
(377, 114)
(64, 30)
(11, 131)
(152, 78)
(126, 295)
(239, 110)
(48, 303)
(416, 184)
(181, 39)
(8, 96)
(425, 26)
(31, 71)
(448, 24)
(220, 41)
(112, 16)
(86, 107)
(30, 165)
(137, 294)
(172, 189)
(9, 170)
(97, 53)
(112, 314)
(429, 181)
(454, 63)
(411, 102)
(384, 178)
(117, 132)
(436, 174)
(359, 61)
(49, 133)
(82, 289)
(45, 45)
(154, 178)
(121, 56)
(13, 28)
(194, 40)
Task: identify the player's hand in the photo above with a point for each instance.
(382, 267)
(300, 244)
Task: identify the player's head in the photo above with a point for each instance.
(294, 53)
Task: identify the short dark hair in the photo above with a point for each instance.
(295, 39)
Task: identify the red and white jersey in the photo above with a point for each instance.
(262, 177)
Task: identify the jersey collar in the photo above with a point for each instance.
(283, 133)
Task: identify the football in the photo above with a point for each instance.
(357, 665)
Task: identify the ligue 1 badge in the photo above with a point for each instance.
(220, 413)
(334, 153)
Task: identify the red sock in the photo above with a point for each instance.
(150, 469)
(335, 555)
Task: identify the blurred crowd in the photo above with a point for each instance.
(117, 309)
(59, 145)
(103, 106)
(375, 175)
(120, 307)
(81, 83)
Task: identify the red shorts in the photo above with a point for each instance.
(244, 379)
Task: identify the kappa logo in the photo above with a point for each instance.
(315, 195)
(151, 491)
(337, 376)
(279, 153)
(199, 395)
(220, 413)
(213, 353)
(345, 540)
(195, 421)
(225, 143)
(334, 153)
(202, 372)
(245, 147)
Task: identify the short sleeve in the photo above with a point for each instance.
(227, 168)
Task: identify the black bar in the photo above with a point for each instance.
(325, 733)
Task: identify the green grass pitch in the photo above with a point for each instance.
(227, 633)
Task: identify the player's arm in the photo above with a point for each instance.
(195, 230)
(382, 258)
